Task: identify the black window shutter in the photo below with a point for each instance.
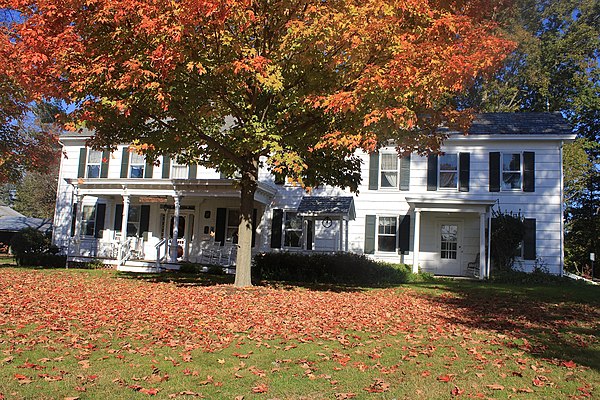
(494, 172)
(254, 222)
(276, 223)
(166, 167)
(529, 242)
(100, 217)
(370, 221)
(144, 219)
(192, 171)
(104, 165)
(374, 171)
(404, 235)
(405, 173)
(73, 219)
(148, 169)
(432, 172)
(125, 163)
(528, 171)
(220, 225)
(82, 162)
(464, 164)
(118, 217)
(309, 235)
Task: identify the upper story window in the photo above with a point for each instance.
(511, 171)
(448, 171)
(94, 164)
(179, 171)
(389, 170)
(137, 164)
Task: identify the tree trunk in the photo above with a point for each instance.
(248, 184)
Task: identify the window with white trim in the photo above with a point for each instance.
(93, 164)
(88, 220)
(389, 170)
(448, 171)
(512, 174)
(179, 171)
(292, 230)
(386, 234)
(137, 164)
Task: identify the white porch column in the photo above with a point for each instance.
(341, 233)
(483, 273)
(346, 237)
(417, 241)
(173, 249)
(124, 222)
(305, 233)
(78, 222)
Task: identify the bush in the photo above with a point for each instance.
(340, 268)
(29, 241)
(507, 233)
(45, 260)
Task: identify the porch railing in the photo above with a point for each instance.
(161, 247)
(125, 251)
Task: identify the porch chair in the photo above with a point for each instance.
(473, 267)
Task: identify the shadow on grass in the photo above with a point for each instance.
(554, 322)
(179, 278)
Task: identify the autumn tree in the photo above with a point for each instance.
(21, 147)
(293, 85)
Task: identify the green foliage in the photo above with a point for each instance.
(537, 277)
(194, 268)
(507, 234)
(36, 195)
(340, 268)
(27, 242)
(45, 260)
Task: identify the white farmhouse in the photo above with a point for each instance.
(430, 212)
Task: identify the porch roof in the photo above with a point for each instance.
(327, 206)
(447, 204)
(166, 187)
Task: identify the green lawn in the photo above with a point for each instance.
(98, 334)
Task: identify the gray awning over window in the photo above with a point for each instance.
(326, 206)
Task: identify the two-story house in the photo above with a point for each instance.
(431, 212)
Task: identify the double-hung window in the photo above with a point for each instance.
(292, 230)
(386, 234)
(137, 164)
(511, 171)
(94, 164)
(448, 171)
(389, 170)
(88, 220)
(179, 171)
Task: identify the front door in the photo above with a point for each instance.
(450, 248)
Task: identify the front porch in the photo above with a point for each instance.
(157, 225)
(451, 236)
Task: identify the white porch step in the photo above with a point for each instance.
(146, 266)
